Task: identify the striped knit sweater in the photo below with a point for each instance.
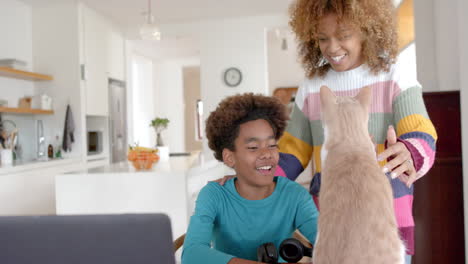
(397, 100)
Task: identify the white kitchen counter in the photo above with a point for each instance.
(18, 167)
(119, 188)
(174, 164)
(29, 188)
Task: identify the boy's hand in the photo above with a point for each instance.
(223, 180)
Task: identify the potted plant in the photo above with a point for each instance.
(159, 125)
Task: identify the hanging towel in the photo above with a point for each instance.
(68, 130)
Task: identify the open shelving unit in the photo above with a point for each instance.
(24, 75)
(29, 76)
(12, 110)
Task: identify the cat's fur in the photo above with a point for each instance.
(357, 223)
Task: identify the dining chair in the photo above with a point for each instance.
(90, 239)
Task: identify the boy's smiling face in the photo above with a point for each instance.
(256, 154)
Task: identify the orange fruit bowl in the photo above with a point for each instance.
(142, 160)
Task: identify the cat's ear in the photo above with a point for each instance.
(365, 97)
(327, 97)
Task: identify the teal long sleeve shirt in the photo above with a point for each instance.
(226, 225)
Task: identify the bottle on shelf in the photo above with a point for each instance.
(50, 151)
(58, 147)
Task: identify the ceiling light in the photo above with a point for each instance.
(149, 30)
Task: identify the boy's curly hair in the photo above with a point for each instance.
(222, 126)
(375, 18)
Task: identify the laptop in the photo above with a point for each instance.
(86, 239)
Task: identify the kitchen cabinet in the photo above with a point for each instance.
(30, 188)
(103, 55)
(116, 55)
(95, 75)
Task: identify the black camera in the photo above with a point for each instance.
(291, 250)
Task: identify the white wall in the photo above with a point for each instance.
(26, 31)
(142, 101)
(436, 44)
(16, 43)
(169, 48)
(15, 29)
(284, 67)
(224, 43)
(234, 43)
(424, 22)
(56, 52)
(169, 89)
(163, 97)
(463, 66)
(168, 57)
(129, 89)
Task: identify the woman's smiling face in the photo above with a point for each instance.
(340, 43)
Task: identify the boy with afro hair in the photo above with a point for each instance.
(254, 207)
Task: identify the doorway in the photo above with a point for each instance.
(193, 108)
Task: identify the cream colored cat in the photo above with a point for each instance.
(357, 223)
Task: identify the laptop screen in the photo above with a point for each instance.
(86, 239)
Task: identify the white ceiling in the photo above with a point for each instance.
(129, 16)
(128, 13)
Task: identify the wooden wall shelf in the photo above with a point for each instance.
(24, 75)
(25, 111)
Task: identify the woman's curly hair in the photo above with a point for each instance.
(222, 126)
(375, 18)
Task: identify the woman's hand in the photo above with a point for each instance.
(401, 163)
(223, 180)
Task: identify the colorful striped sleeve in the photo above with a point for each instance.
(295, 145)
(415, 129)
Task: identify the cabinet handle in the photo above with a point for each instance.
(84, 74)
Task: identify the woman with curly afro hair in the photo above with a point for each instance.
(232, 220)
(347, 45)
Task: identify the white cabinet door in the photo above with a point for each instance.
(95, 36)
(28, 193)
(125, 193)
(116, 55)
(32, 192)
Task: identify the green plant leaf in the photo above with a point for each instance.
(159, 123)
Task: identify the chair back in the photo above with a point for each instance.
(90, 239)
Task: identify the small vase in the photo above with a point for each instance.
(159, 141)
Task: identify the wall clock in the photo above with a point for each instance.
(232, 77)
